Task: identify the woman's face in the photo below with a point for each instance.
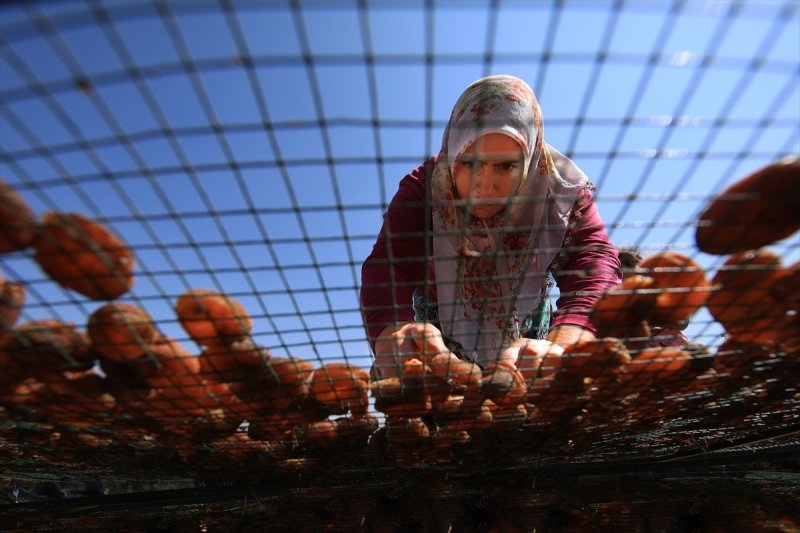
(488, 172)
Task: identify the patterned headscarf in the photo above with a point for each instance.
(490, 272)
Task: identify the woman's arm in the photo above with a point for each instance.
(587, 266)
(396, 266)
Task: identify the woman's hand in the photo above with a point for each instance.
(530, 356)
(397, 344)
(569, 334)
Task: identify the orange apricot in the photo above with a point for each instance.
(121, 331)
(209, 316)
(48, 344)
(17, 221)
(755, 211)
(625, 303)
(341, 387)
(82, 254)
(683, 284)
(12, 299)
(742, 288)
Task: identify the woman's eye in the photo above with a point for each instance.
(508, 166)
(467, 163)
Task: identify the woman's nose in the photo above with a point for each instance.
(481, 179)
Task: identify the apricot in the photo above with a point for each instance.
(18, 223)
(166, 364)
(49, 344)
(278, 384)
(755, 211)
(121, 331)
(82, 254)
(231, 362)
(209, 316)
(742, 288)
(12, 299)
(503, 384)
(341, 387)
(683, 284)
(625, 303)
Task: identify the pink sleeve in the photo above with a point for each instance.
(396, 265)
(587, 266)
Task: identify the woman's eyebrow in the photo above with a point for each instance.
(504, 157)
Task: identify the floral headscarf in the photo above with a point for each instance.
(489, 272)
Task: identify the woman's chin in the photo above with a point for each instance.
(485, 211)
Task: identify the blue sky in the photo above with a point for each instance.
(252, 149)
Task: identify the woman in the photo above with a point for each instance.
(473, 237)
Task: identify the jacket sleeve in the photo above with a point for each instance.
(396, 265)
(587, 266)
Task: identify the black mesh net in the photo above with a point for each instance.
(189, 190)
